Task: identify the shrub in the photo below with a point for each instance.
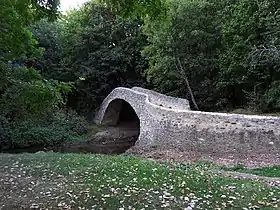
(4, 131)
(270, 102)
(72, 122)
(57, 129)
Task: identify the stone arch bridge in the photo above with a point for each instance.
(166, 122)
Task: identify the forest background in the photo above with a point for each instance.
(55, 69)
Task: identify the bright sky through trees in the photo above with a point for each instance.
(68, 4)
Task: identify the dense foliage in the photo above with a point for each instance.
(249, 64)
(185, 51)
(93, 49)
(104, 54)
(221, 55)
(29, 103)
(228, 50)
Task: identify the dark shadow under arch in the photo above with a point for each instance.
(120, 113)
(120, 116)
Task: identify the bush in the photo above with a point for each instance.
(4, 131)
(28, 134)
(270, 102)
(57, 129)
(72, 122)
(30, 114)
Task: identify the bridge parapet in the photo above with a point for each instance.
(164, 100)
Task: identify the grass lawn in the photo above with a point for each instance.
(75, 181)
(267, 171)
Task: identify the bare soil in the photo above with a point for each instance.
(250, 161)
(192, 158)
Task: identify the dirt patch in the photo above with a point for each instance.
(164, 156)
(249, 161)
(275, 182)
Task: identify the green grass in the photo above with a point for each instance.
(267, 171)
(54, 181)
(248, 112)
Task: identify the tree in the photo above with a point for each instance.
(228, 50)
(21, 87)
(97, 51)
(249, 68)
(15, 16)
(49, 38)
(29, 103)
(155, 9)
(183, 52)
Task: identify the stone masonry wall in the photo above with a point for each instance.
(181, 129)
(164, 100)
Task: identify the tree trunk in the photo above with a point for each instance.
(181, 70)
(183, 73)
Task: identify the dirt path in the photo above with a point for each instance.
(250, 162)
(275, 182)
(184, 157)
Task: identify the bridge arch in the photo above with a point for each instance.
(120, 113)
(120, 99)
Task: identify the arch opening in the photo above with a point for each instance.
(122, 126)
